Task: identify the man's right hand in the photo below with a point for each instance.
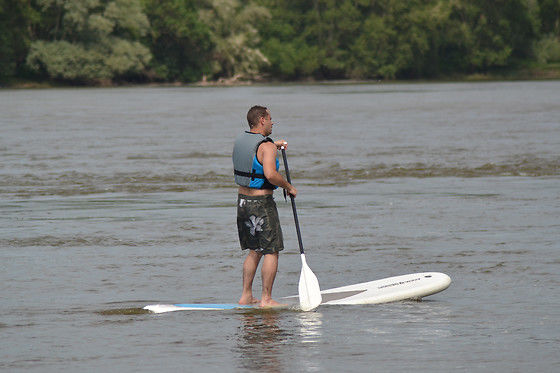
(291, 190)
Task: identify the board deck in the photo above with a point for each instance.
(391, 289)
(160, 308)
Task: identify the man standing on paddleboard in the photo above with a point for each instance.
(255, 163)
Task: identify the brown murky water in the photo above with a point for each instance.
(111, 199)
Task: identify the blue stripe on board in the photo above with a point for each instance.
(223, 306)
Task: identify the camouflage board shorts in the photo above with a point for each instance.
(258, 224)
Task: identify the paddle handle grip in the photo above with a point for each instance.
(293, 201)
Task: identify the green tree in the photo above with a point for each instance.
(549, 14)
(291, 49)
(397, 39)
(547, 48)
(85, 41)
(235, 38)
(90, 40)
(331, 27)
(483, 35)
(346, 38)
(16, 17)
(179, 40)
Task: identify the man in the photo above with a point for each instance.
(255, 163)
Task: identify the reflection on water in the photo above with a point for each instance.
(259, 341)
(263, 337)
(310, 338)
(310, 327)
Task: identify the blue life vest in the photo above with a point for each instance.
(247, 169)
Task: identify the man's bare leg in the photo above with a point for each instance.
(268, 273)
(249, 269)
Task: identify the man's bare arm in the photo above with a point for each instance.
(268, 152)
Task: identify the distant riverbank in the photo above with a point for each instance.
(541, 72)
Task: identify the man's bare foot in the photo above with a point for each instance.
(271, 303)
(250, 300)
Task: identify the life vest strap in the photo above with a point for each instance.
(248, 174)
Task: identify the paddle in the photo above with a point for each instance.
(309, 291)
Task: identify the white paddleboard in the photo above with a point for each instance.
(161, 308)
(391, 289)
(413, 286)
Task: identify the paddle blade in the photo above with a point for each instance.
(309, 291)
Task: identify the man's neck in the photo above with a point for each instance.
(257, 131)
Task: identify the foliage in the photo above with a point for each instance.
(15, 18)
(179, 40)
(547, 49)
(234, 37)
(396, 41)
(90, 40)
(394, 38)
(549, 13)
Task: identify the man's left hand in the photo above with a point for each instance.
(281, 143)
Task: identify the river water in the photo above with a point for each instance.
(112, 199)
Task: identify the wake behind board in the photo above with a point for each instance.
(391, 289)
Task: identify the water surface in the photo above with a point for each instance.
(112, 199)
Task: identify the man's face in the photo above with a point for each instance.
(267, 123)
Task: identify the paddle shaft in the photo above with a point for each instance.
(293, 201)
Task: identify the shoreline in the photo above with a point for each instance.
(541, 73)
